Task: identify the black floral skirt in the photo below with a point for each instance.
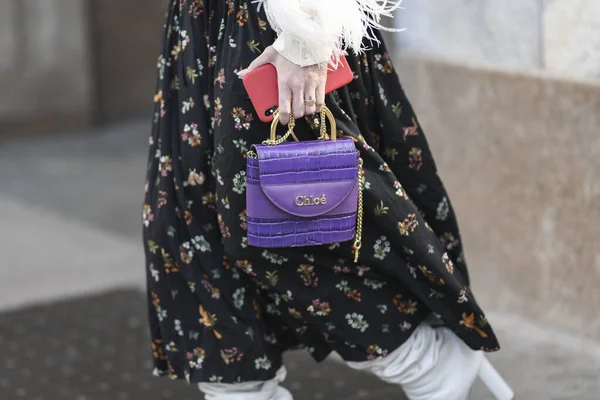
(222, 311)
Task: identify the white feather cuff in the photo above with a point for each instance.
(315, 27)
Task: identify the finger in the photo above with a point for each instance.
(310, 98)
(262, 59)
(320, 93)
(285, 100)
(298, 101)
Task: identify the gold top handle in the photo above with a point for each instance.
(325, 115)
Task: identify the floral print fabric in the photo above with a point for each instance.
(222, 311)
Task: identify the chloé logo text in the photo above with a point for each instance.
(310, 201)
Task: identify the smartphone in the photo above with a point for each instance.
(262, 88)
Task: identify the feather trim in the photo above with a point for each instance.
(335, 24)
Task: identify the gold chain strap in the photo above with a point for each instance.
(290, 132)
(323, 125)
(359, 214)
(325, 114)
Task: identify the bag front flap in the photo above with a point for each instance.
(314, 198)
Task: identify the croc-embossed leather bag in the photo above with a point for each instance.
(304, 193)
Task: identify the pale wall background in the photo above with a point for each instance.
(508, 92)
(67, 64)
(44, 59)
(561, 37)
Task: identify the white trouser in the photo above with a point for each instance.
(267, 390)
(433, 364)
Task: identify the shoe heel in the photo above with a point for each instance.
(494, 382)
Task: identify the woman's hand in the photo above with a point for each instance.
(301, 89)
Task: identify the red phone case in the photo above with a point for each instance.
(262, 88)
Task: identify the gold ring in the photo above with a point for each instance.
(310, 102)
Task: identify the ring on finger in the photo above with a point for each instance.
(310, 102)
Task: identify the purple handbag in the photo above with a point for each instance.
(304, 193)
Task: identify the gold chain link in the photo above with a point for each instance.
(290, 132)
(323, 125)
(359, 214)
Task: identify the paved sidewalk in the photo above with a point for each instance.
(70, 229)
(97, 348)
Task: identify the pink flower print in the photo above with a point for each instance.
(220, 79)
(411, 130)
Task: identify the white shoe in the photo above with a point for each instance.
(434, 364)
(494, 382)
(254, 390)
(283, 394)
